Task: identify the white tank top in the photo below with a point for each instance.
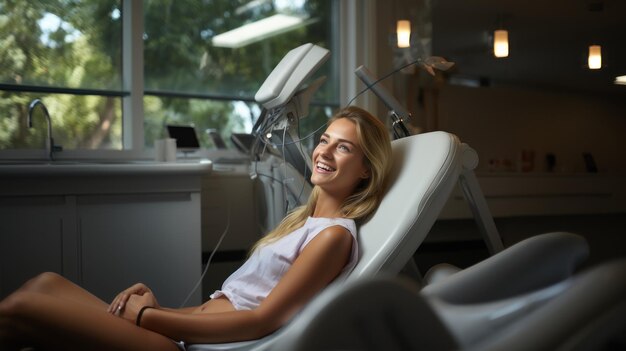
(248, 286)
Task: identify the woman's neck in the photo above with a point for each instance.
(328, 206)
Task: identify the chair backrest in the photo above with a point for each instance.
(426, 168)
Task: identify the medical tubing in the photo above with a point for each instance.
(368, 87)
(298, 140)
(206, 269)
(285, 172)
(304, 168)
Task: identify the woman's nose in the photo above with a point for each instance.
(325, 151)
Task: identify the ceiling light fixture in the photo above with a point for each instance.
(595, 57)
(501, 43)
(256, 31)
(403, 31)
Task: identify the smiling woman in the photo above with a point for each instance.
(314, 245)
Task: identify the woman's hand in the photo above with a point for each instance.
(134, 305)
(120, 301)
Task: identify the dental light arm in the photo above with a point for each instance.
(284, 97)
(397, 111)
(288, 76)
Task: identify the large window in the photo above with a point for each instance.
(70, 56)
(198, 71)
(69, 53)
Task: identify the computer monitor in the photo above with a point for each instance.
(216, 138)
(186, 138)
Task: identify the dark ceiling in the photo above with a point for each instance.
(548, 40)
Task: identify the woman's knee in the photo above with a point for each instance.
(43, 282)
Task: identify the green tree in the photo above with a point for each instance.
(84, 52)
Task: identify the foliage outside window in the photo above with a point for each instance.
(60, 51)
(180, 57)
(69, 52)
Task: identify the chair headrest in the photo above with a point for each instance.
(425, 169)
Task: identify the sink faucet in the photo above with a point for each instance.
(50, 147)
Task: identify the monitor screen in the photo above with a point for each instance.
(185, 137)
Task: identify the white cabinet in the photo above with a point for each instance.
(104, 232)
(229, 200)
(31, 238)
(155, 239)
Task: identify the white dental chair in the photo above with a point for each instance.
(524, 298)
(425, 169)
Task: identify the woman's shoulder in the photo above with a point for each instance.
(348, 223)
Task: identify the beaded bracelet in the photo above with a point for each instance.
(141, 311)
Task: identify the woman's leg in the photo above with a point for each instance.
(50, 312)
(54, 284)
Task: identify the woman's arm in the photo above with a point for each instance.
(320, 262)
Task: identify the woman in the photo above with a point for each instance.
(311, 247)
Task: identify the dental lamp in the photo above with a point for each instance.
(287, 77)
(284, 96)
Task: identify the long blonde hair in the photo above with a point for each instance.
(374, 141)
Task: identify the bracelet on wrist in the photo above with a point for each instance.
(140, 314)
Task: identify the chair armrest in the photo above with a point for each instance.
(367, 314)
(529, 265)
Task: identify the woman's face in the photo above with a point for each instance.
(338, 161)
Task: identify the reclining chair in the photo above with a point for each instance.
(526, 297)
(425, 170)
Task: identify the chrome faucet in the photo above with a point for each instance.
(50, 147)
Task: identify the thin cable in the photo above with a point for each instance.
(368, 87)
(298, 140)
(284, 182)
(304, 168)
(206, 269)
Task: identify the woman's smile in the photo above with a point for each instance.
(324, 167)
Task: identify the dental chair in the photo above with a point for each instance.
(527, 297)
(425, 169)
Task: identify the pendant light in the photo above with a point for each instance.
(595, 57)
(403, 31)
(501, 43)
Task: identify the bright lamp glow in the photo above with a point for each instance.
(403, 31)
(256, 31)
(501, 43)
(595, 57)
(621, 80)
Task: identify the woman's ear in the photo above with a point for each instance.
(365, 174)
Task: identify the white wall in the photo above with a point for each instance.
(501, 121)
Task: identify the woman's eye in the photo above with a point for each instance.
(343, 148)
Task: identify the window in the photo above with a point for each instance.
(70, 57)
(193, 77)
(70, 54)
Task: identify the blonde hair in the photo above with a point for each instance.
(374, 140)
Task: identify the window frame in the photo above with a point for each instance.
(132, 93)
